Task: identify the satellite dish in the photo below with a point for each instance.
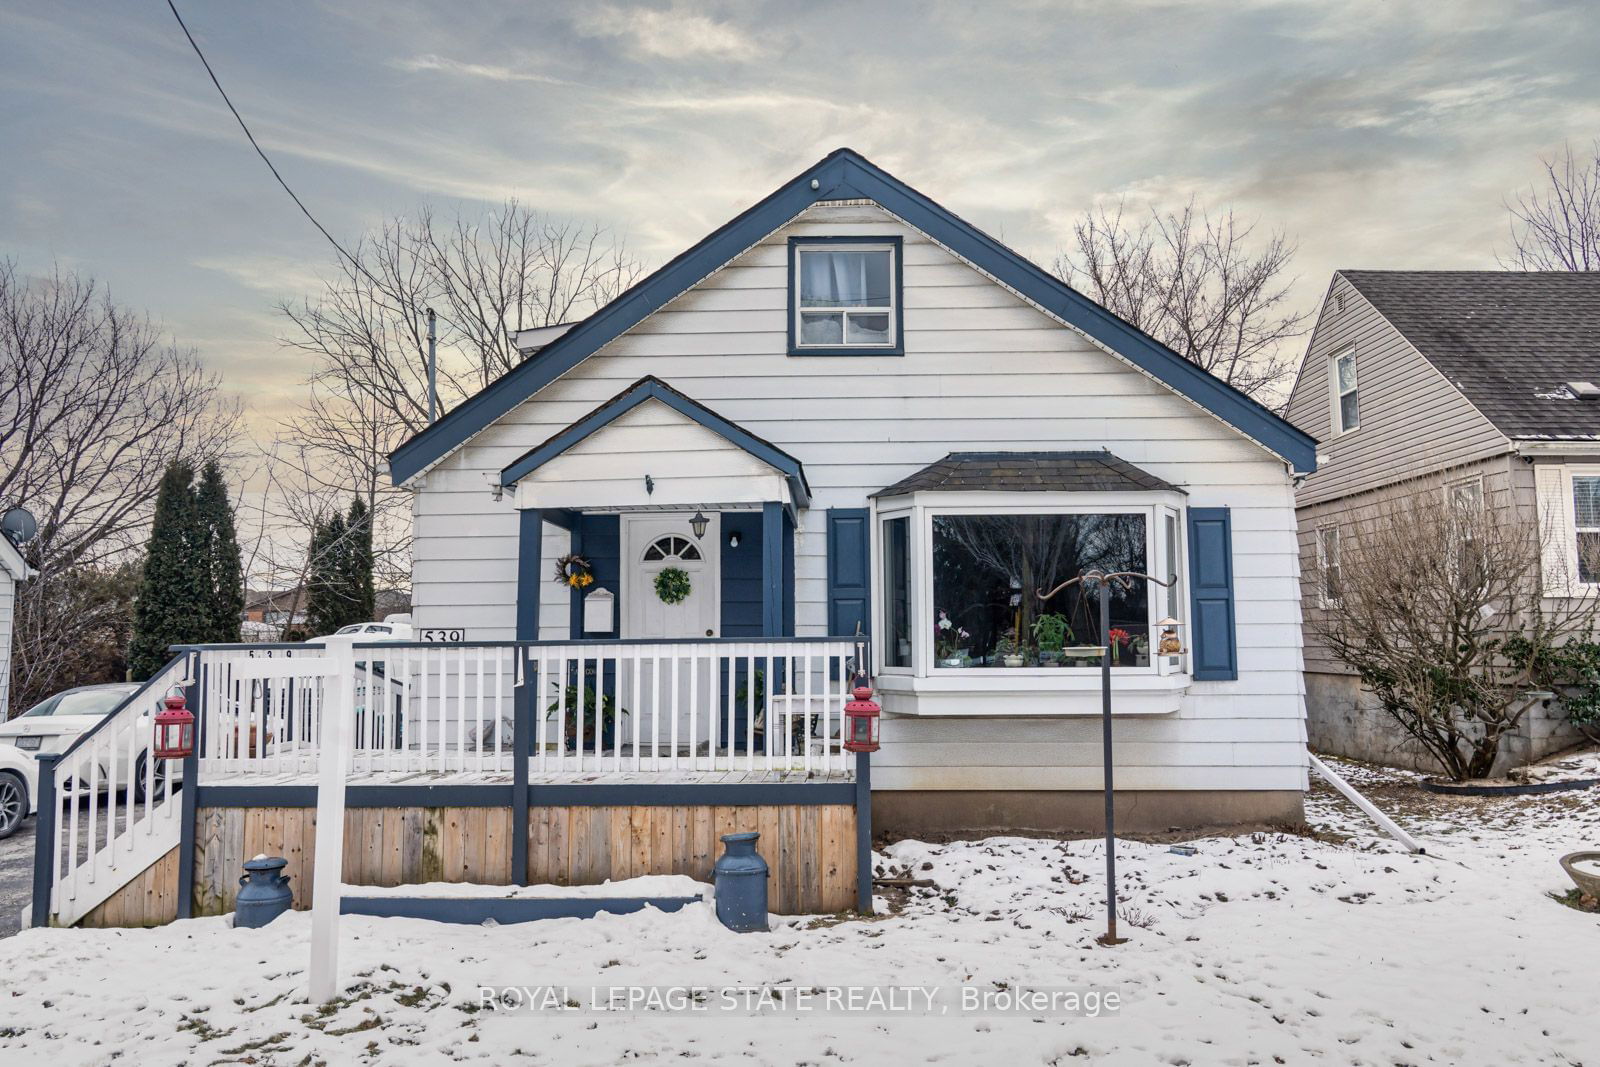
(19, 525)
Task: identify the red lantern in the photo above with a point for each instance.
(861, 717)
(174, 729)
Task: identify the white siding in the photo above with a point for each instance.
(982, 370)
(8, 597)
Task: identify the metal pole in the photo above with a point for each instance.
(1110, 937)
(433, 371)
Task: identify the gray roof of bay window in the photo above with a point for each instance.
(1029, 472)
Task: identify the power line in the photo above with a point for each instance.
(173, 7)
(254, 144)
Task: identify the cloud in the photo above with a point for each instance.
(670, 34)
(433, 63)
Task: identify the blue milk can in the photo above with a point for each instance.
(741, 878)
(263, 892)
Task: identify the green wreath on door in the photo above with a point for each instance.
(672, 585)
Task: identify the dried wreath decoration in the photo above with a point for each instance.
(672, 585)
(572, 569)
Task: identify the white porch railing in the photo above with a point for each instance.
(592, 708)
(114, 811)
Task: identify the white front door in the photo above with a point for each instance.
(651, 544)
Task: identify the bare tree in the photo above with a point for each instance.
(487, 278)
(1440, 610)
(1199, 285)
(94, 403)
(1555, 223)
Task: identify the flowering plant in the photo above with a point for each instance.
(1118, 637)
(948, 638)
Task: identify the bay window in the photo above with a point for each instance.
(962, 587)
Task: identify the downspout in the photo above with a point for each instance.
(1387, 824)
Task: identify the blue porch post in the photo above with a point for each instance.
(521, 751)
(189, 796)
(46, 853)
(530, 546)
(772, 554)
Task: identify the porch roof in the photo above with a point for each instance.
(769, 456)
(1039, 472)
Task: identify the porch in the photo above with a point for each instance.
(508, 763)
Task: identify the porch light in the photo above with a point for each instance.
(174, 730)
(699, 523)
(861, 716)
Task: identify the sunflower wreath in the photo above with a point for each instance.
(572, 569)
(672, 585)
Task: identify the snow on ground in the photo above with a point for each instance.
(1337, 948)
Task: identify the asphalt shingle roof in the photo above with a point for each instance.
(1509, 340)
(1070, 472)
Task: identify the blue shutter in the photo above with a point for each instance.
(1213, 646)
(849, 572)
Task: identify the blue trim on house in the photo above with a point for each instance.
(741, 575)
(522, 727)
(849, 570)
(842, 175)
(530, 571)
(772, 531)
(899, 346)
(474, 911)
(598, 538)
(653, 388)
(1214, 650)
(575, 795)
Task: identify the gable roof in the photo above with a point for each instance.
(652, 388)
(846, 175)
(1508, 340)
(1038, 472)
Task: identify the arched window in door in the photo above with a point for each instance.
(672, 546)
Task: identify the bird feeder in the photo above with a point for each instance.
(1169, 643)
(861, 720)
(174, 729)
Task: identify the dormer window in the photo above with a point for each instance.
(844, 296)
(1346, 401)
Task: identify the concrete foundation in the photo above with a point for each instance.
(1342, 719)
(942, 814)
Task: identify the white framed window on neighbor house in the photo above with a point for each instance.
(1465, 499)
(1346, 394)
(1569, 527)
(1330, 575)
(1585, 489)
(844, 296)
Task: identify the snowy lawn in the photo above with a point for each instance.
(1270, 948)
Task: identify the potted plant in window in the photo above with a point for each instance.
(1007, 651)
(948, 642)
(1052, 633)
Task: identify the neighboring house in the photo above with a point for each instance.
(13, 569)
(1485, 384)
(274, 607)
(847, 406)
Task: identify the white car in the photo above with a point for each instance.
(53, 724)
(19, 778)
(393, 628)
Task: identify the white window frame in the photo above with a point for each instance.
(1323, 598)
(921, 508)
(1574, 553)
(844, 342)
(1336, 394)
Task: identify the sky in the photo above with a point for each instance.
(1377, 134)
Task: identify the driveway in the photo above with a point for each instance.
(16, 877)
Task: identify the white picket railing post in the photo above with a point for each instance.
(325, 890)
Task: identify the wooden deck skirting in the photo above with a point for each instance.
(151, 899)
(811, 848)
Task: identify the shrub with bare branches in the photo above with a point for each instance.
(1440, 609)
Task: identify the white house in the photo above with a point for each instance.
(13, 569)
(848, 406)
